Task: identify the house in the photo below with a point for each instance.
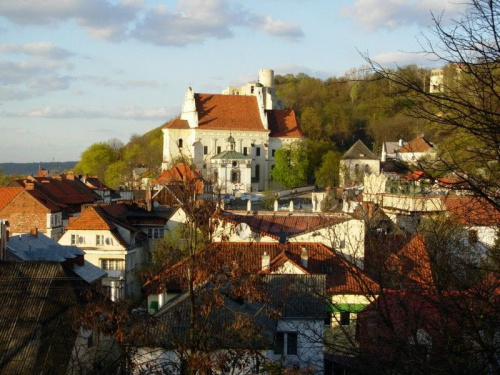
(415, 150)
(241, 334)
(231, 138)
(357, 162)
(110, 243)
(341, 232)
(40, 303)
(36, 246)
(27, 207)
(389, 150)
(107, 195)
(65, 189)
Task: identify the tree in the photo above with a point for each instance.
(290, 169)
(116, 174)
(466, 110)
(328, 174)
(96, 159)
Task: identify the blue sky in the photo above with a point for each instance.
(75, 72)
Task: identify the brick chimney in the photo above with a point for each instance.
(42, 173)
(266, 260)
(29, 185)
(34, 232)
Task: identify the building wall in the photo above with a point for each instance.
(309, 344)
(354, 170)
(227, 232)
(24, 213)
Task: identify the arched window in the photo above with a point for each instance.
(367, 168)
(179, 143)
(235, 177)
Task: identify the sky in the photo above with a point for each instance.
(76, 72)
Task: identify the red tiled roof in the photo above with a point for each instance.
(91, 219)
(283, 223)
(418, 144)
(176, 124)
(228, 112)
(341, 276)
(7, 194)
(180, 173)
(412, 262)
(284, 124)
(472, 210)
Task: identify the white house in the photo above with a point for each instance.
(111, 244)
(415, 150)
(231, 138)
(357, 162)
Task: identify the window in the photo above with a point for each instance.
(285, 343)
(328, 318)
(74, 239)
(113, 264)
(345, 318)
(272, 153)
(235, 177)
(257, 151)
(245, 150)
(257, 172)
(154, 233)
(326, 268)
(219, 149)
(205, 150)
(473, 238)
(179, 143)
(99, 239)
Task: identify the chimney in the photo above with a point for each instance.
(291, 206)
(266, 260)
(29, 185)
(304, 257)
(401, 143)
(69, 176)
(4, 238)
(149, 205)
(249, 205)
(276, 208)
(42, 173)
(34, 232)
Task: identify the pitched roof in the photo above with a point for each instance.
(341, 275)
(228, 112)
(418, 144)
(38, 303)
(470, 210)
(284, 124)
(176, 124)
(230, 155)
(7, 194)
(281, 225)
(180, 173)
(40, 247)
(91, 219)
(359, 151)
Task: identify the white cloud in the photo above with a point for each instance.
(193, 21)
(277, 27)
(44, 50)
(101, 18)
(398, 58)
(129, 113)
(392, 14)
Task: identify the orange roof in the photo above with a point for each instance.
(7, 194)
(472, 210)
(284, 124)
(176, 124)
(180, 173)
(228, 112)
(418, 144)
(91, 219)
(283, 223)
(412, 262)
(341, 276)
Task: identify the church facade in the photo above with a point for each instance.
(232, 137)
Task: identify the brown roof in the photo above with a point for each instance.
(178, 174)
(91, 219)
(472, 210)
(7, 194)
(418, 144)
(284, 124)
(38, 310)
(279, 224)
(176, 124)
(341, 276)
(228, 112)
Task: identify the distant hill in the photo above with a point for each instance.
(32, 168)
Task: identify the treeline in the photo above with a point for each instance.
(358, 105)
(114, 162)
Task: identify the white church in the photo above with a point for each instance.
(232, 137)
